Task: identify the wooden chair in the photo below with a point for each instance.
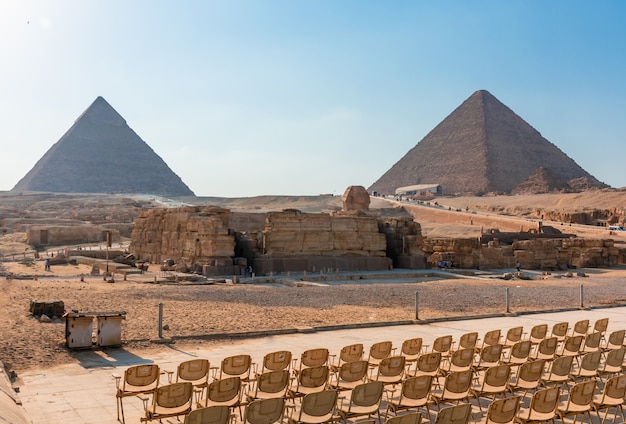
(350, 353)
(137, 380)
(172, 400)
(456, 387)
(489, 356)
(269, 385)
(443, 345)
(491, 338)
(411, 349)
(578, 402)
(210, 415)
(276, 361)
(195, 371)
(571, 346)
(528, 376)
(365, 400)
(559, 330)
(414, 393)
(612, 396)
(588, 367)
(614, 341)
(378, 352)
(349, 375)
(460, 360)
(600, 326)
(613, 364)
(313, 358)
(468, 340)
(538, 333)
(542, 406)
(558, 372)
(428, 364)
(513, 336)
(580, 328)
(236, 366)
(457, 414)
(494, 382)
(591, 342)
(546, 349)
(503, 411)
(390, 370)
(311, 380)
(224, 392)
(315, 408)
(264, 411)
(519, 354)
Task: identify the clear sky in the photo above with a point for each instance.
(297, 97)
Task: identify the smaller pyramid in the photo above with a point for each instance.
(542, 181)
(100, 153)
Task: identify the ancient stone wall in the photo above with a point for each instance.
(191, 235)
(52, 235)
(544, 254)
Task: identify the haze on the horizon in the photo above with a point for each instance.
(244, 98)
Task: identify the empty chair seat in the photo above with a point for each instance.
(612, 396)
(538, 333)
(364, 400)
(542, 406)
(349, 375)
(138, 379)
(513, 335)
(411, 349)
(276, 361)
(457, 414)
(412, 394)
(378, 352)
(264, 411)
(315, 408)
(578, 401)
(390, 370)
(503, 411)
(311, 380)
(559, 330)
(172, 400)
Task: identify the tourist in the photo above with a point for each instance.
(518, 265)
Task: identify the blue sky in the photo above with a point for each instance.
(244, 98)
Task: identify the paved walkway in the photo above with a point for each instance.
(84, 392)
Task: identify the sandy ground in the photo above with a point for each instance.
(196, 310)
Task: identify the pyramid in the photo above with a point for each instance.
(481, 147)
(100, 153)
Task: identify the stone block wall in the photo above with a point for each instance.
(59, 235)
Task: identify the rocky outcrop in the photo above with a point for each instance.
(356, 198)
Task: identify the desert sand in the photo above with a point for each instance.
(200, 314)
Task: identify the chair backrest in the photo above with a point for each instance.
(417, 387)
(514, 335)
(380, 350)
(412, 418)
(572, 345)
(320, 404)
(520, 351)
(411, 348)
(224, 390)
(195, 371)
(492, 337)
(545, 401)
(264, 411)
(615, 357)
(581, 327)
(616, 339)
(273, 382)
(458, 414)
(547, 347)
(442, 344)
(531, 371)
(236, 366)
(462, 358)
(210, 415)
(176, 396)
(538, 333)
(601, 325)
(560, 329)
(592, 341)
(277, 361)
(497, 376)
(367, 394)
(591, 361)
(314, 357)
(350, 353)
(391, 366)
(468, 340)
(581, 394)
(314, 377)
(491, 353)
(458, 382)
(429, 362)
(503, 411)
(615, 388)
(353, 371)
(141, 377)
(561, 366)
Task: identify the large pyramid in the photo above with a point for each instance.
(481, 147)
(100, 153)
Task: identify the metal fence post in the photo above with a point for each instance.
(582, 298)
(507, 300)
(160, 320)
(417, 314)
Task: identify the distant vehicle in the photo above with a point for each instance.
(616, 228)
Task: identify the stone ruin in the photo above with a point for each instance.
(356, 198)
(216, 241)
